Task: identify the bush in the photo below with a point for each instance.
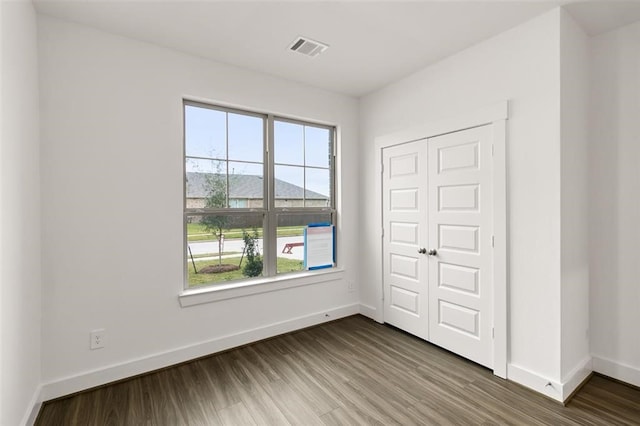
(253, 267)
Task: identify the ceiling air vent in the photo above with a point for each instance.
(308, 47)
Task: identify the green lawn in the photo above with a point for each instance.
(197, 232)
(284, 265)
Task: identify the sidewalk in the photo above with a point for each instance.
(214, 257)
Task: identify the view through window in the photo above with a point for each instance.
(253, 182)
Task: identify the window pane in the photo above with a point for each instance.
(217, 252)
(246, 137)
(246, 185)
(205, 166)
(318, 184)
(205, 184)
(290, 246)
(205, 132)
(288, 142)
(289, 186)
(317, 142)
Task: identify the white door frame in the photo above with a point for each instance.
(495, 115)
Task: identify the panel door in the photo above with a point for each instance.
(404, 211)
(460, 231)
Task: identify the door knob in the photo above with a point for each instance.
(422, 251)
(432, 252)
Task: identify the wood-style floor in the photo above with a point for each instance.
(349, 372)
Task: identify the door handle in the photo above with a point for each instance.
(432, 252)
(422, 251)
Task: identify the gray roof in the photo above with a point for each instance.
(248, 186)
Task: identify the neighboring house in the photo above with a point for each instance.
(245, 191)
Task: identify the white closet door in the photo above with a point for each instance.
(405, 233)
(460, 203)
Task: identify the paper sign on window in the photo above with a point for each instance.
(319, 246)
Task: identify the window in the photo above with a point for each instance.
(253, 182)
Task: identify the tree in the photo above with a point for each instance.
(216, 198)
(253, 268)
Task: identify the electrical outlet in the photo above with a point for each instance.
(97, 339)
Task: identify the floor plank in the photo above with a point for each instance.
(236, 414)
(348, 372)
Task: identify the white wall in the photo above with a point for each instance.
(574, 66)
(20, 285)
(614, 171)
(112, 196)
(521, 65)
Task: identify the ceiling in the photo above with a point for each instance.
(372, 43)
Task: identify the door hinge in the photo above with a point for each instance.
(493, 241)
(493, 333)
(382, 168)
(382, 233)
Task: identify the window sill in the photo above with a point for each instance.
(264, 285)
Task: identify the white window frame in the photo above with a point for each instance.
(270, 280)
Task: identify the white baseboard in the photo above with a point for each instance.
(33, 408)
(551, 388)
(65, 386)
(369, 312)
(577, 376)
(532, 380)
(617, 370)
(90, 379)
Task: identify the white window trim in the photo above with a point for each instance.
(234, 289)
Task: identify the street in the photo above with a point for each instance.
(236, 245)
